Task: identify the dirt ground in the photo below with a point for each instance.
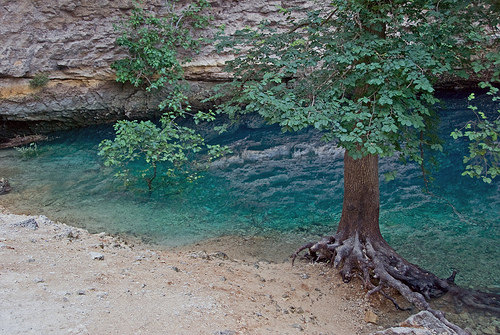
(57, 279)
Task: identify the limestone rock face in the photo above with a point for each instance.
(73, 38)
(73, 42)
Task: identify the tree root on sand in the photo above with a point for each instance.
(380, 268)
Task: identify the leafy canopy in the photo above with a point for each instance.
(362, 70)
(152, 62)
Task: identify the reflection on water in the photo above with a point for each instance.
(275, 184)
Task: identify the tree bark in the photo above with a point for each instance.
(361, 206)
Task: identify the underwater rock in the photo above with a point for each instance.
(4, 186)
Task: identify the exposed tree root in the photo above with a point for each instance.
(475, 299)
(381, 268)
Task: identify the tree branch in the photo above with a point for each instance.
(321, 24)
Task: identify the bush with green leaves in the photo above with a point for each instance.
(153, 62)
(153, 42)
(483, 133)
(168, 149)
(29, 151)
(39, 80)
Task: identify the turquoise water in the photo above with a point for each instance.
(285, 187)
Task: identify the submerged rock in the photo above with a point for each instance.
(4, 186)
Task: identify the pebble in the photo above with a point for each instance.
(297, 326)
(69, 233)
(298, 310)
(102, 295)
(97, 256)
(371, 317)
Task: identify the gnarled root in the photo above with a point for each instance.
(380, 269)
(476, 299)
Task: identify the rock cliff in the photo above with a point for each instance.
(72, 43)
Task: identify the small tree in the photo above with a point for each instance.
(153, 63)
(363, 72)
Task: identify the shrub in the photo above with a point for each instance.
(39, 80)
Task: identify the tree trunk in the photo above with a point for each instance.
(360, 210)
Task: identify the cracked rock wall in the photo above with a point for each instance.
(72, 41)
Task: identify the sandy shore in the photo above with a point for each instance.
(57, 279)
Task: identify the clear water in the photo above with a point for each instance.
(285, 187)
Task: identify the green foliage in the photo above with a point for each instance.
(145, 142)
(39, 80)
(483, 160)
(29, 151)
(152, 43)
(362, 70)
(167, 149)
